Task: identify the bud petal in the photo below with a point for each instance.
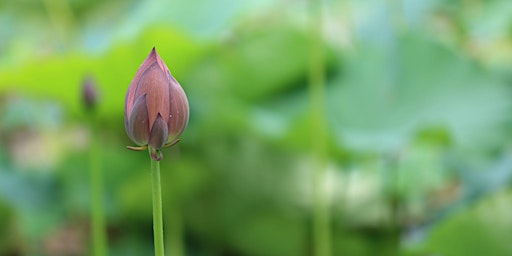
(155, 85)
(138, 125)
(178, 110)
(159, 133)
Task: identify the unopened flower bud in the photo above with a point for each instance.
(156, 107)
(89, 93)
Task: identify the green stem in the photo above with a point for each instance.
(158, 231)
(98, 236)
(321, 216)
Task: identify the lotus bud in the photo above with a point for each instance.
(89, 93)
(156, 108)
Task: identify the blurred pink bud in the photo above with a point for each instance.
(156, 107)
(89, 93)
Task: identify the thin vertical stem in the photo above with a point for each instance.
(158, 231)
(98, 234)
(398, 24)
(395, 204)
(321, 215)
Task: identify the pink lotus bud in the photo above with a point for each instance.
(156, 107)
(89, 93)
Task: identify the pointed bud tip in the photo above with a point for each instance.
(152, 56)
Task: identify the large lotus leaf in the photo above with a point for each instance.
(481, 229)
(382, 99)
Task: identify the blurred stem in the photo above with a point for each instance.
(98, 236)
(321, 216)
(158, 231)
(398, 23)
(395, 204)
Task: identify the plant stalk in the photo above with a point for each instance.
(98, 232)
(158, 231)
(321, 212)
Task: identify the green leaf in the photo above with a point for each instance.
(482, 229)
(386, 95)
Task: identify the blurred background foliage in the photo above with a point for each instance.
(418, 101)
